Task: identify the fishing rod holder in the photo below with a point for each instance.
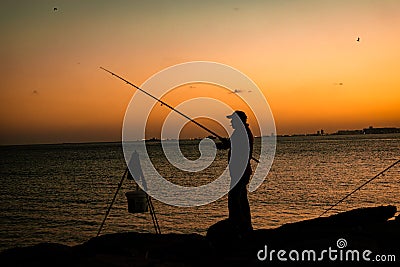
(140, 202)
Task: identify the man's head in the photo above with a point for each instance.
(236, 117)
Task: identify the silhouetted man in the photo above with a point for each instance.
(240, 152)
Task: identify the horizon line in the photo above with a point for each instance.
(200, 138)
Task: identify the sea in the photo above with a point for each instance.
(60, 193)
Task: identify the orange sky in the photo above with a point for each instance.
(197, 90)
(303, 55)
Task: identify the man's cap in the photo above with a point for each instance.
(238, 113)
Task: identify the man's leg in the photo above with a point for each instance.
(245, 210)
(234, 205)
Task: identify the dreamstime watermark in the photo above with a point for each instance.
(338, 253)
(163, 82)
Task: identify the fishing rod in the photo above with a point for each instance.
(358, 188)
(172, 108)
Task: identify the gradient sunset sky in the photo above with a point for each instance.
(303, 55)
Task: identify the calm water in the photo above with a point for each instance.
(59, 193)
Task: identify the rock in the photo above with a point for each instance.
(349, 219)
(223, 245)
(222, 230)
(44, 254)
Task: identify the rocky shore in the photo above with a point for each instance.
(372, 229)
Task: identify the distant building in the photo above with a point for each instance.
(369, 130)
(349, 132)
(321, 132)
(386, 130)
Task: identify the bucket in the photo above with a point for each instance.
(137, 201)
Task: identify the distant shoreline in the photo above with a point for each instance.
(365, 131)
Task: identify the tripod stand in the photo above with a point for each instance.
(133, 205)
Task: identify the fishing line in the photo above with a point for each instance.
(361, 186)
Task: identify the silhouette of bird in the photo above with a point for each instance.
(236, 91)
(55, 9)
(358, 39)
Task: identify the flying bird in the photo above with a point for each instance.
(55, 9)
(236, 91)
(358, 39)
